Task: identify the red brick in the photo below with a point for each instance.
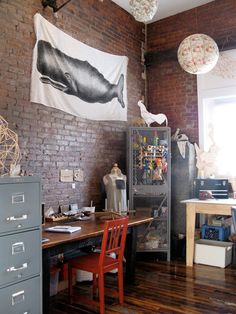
(170, 89)
(51, 139)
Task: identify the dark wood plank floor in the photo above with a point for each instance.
(163, 287)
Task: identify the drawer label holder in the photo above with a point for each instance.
(18, 297)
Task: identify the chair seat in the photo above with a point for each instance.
(90, 263)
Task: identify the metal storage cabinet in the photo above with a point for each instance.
(20, 245)
(183, 172)
(149, 185)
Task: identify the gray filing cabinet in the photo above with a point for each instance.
(149, 163)
(20, 245)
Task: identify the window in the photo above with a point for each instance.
(219, 129)
(217, 116)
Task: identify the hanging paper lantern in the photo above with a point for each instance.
(143, 10)
(198, 54)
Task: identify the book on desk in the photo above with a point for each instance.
(64, 229)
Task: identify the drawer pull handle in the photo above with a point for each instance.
(13, 218)
(13, 268)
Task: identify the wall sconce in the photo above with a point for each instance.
(53, 4)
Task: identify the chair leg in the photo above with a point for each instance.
(70, 282)
(120, 284)
(101, 292)
(94, 284)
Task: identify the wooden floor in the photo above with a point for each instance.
(163, 287)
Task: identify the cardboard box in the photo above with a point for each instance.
(213, 253)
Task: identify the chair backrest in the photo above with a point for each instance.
(113, 240)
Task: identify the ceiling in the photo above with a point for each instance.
(167, 7)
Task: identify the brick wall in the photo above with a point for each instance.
(170, 89)
(50, 139)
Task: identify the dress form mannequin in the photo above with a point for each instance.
(115, 186)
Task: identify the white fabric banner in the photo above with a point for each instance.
(73, 77)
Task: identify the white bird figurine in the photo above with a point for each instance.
(149, 117)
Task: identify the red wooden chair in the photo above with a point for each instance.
(113, 241)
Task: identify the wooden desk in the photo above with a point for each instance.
(90, 234)
(195, 206)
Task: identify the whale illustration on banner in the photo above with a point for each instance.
(76, 77)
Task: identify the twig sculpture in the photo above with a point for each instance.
(9, 148)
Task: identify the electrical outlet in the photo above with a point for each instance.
(73, 185)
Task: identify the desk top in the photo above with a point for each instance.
(89, 229)
(213, 201)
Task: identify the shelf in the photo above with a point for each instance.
(149, 195)
(157, 219)
(153, 250)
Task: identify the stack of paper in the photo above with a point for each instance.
(67, 229)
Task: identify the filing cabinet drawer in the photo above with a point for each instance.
(20, 256)
(22, 298)
(20, 206)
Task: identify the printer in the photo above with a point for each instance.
(218, 188)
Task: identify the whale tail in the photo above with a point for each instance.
(120, 87)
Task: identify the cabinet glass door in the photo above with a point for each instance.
(149, 185)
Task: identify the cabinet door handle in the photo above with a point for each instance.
(13, 218)
(13, 268)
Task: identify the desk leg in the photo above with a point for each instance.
(46, 281)
(190, 227)
(130, 250)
